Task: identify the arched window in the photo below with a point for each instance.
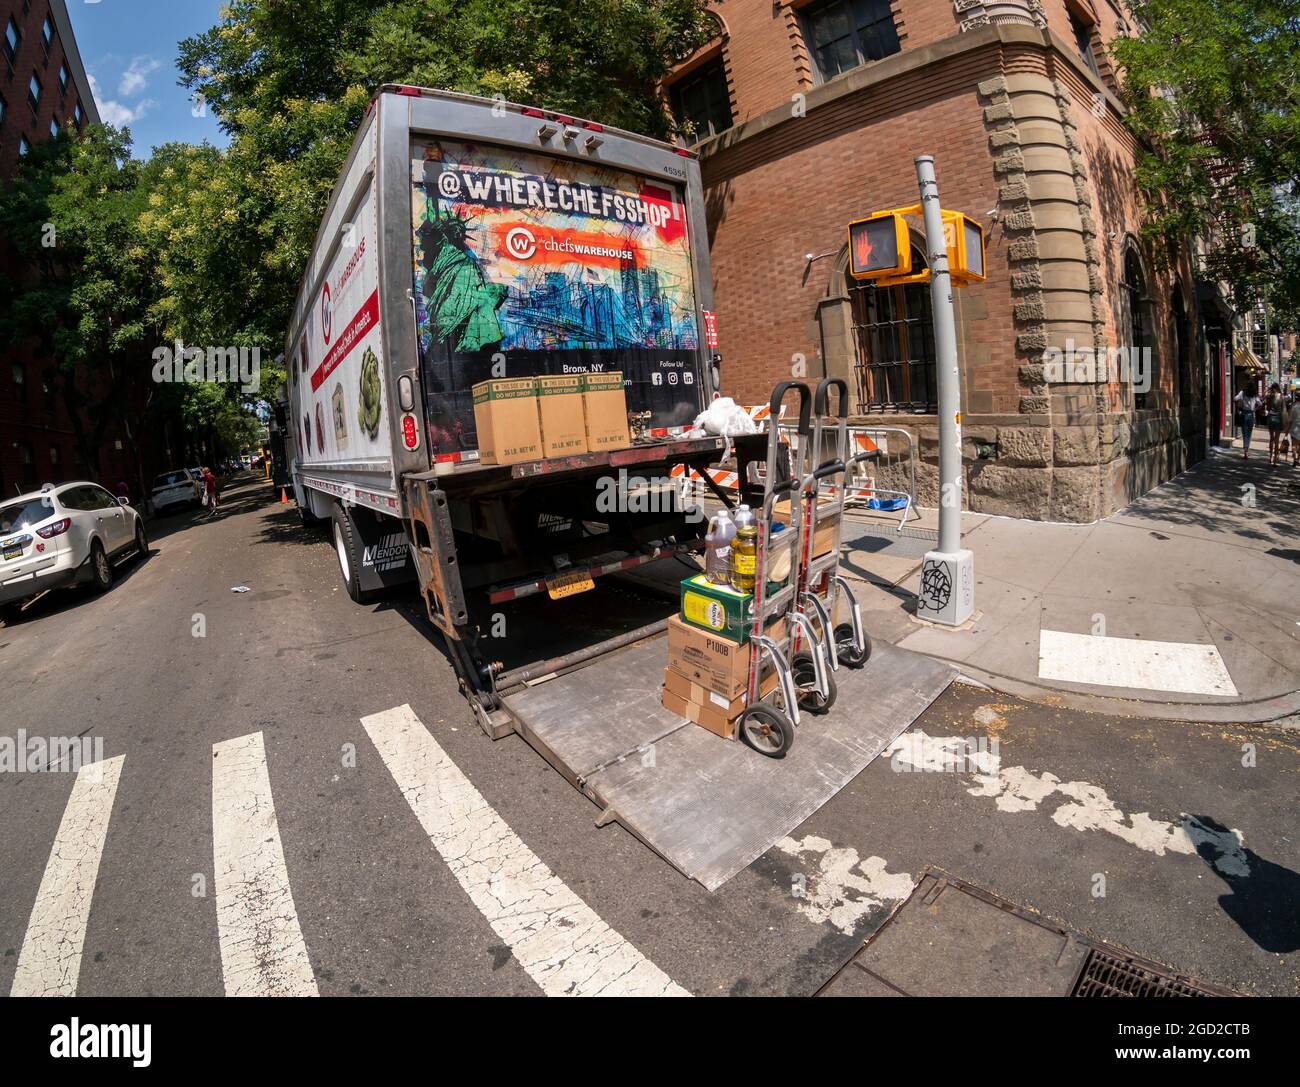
(1136, 330)
(894, 342)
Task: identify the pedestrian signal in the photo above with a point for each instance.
(879, 246)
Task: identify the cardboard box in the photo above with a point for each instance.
(716, 664)
(707, 708)
(604, 407)
(505, 412)
(560, 411)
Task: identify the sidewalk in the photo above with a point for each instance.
(1074, 609)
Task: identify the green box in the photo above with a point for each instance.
(719, 609)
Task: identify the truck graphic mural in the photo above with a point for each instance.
(535, 264)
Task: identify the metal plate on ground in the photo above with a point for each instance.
(711, 806)
(951, 938)
(600, 713)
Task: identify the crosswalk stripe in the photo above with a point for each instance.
(262, 949)
(555, 936)
(50, 961)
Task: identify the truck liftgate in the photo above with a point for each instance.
(594, 709)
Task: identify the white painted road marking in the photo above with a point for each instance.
(555, 936)
(1015, 789)
(50, 961)
(262, 949)
(1181, 667)
(845, 888)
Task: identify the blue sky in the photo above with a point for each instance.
(129, 50)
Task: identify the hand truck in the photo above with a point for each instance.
(768, 728)
(820, 582)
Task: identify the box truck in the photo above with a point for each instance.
(469, 240)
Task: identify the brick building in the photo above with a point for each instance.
(809, 114)
(43, 88)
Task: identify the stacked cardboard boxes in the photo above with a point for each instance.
(707, 677)
(555, 415)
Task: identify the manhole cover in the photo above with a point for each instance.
(951, 938)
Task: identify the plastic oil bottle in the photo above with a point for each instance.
(744, 551)
(717, 548)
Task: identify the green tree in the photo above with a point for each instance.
(1213, 89)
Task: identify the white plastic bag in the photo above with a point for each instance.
(725, 418)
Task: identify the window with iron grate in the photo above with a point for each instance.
(893, 335)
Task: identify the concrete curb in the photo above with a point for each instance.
(1274, 710)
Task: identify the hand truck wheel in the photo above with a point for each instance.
(767, 730)
(846, 651)
(805, 679)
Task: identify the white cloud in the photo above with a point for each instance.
(136, 75)
(118, 113)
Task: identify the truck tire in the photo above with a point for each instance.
(347, 549)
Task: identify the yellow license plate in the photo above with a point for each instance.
(562, 585)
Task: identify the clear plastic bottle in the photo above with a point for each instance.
(717, 548)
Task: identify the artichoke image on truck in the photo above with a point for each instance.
(470, 239)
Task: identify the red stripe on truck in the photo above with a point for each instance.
(366, 318)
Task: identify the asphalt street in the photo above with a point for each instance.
(1083, 818)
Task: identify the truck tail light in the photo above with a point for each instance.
(532, 111)
(410, 92)
(685, 152)
(56, 529)
(593, 126)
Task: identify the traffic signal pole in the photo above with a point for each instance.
(947, 593)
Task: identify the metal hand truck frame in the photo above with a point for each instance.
(852, 645)
(765, 727)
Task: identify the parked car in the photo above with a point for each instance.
(70, 534)
(175, 488)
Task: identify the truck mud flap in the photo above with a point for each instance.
(710, 806)
(385, 550)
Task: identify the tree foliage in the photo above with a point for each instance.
(1213, 88)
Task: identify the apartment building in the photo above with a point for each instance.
(809, 114)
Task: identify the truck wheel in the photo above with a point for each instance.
(349, 556)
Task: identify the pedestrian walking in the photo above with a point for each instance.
(1248, 404)
(210, 491)
(1293, 427)
(1274, 416)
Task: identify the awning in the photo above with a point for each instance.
(1245, 359)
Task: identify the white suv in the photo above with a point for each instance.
(65, 535)
(175, 488)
